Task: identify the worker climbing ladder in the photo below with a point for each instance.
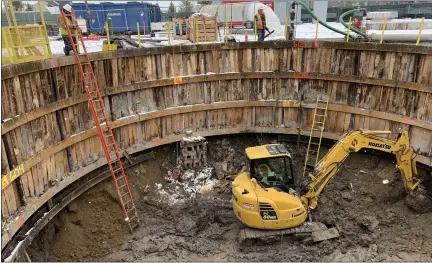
(315, 136)
(103, 125)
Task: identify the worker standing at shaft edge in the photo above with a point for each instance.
(260, 22)
(70, 21)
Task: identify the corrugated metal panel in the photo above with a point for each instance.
(124, 17)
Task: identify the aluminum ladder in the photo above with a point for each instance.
(315, 136)
(103, 126)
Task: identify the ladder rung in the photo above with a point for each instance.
(127, 194)
(321, 115)
(101, 117)
(132, 227)
(134, 216)
(117, 175)
(130, 209)
(321, 108)
(98, 105)
(325, 101)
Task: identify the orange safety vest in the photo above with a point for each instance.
(259, 23)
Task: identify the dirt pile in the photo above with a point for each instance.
(85, 230)
(182, 229)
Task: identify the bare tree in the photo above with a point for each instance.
(185, 6)
(18, 5)
(28, 7)
(171, 10)
(205, 2)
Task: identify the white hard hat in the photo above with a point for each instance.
(67, 7)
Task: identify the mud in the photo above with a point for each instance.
(372, 218)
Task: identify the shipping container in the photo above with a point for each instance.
(124, 16)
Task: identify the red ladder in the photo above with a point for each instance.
(105, 132)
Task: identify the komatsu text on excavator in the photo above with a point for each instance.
(264, 195)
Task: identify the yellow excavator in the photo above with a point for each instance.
(264, 195)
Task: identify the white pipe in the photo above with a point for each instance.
(393, 35)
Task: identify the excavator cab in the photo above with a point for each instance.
(263, 195)
(273, 172)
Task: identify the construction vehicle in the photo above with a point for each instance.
(264, 196)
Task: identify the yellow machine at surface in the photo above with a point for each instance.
(264, 195)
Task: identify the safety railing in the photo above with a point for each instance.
(24, 43)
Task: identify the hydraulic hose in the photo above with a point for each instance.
(341, 20)
(321, 22)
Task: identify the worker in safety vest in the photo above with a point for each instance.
(260, 22)
(70, 22)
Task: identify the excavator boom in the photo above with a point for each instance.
(354, 141)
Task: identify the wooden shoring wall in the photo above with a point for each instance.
(154, 95)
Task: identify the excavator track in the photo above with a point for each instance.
(250, 234)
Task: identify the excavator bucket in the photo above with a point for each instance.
(419, 200)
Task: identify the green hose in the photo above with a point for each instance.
(341, 20)
(321, 22)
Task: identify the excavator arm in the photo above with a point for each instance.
(354, 141)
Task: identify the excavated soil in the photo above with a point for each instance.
(193, 220)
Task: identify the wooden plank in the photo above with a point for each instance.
(115, 72)
(11, 200)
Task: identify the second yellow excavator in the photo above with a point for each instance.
(264, 195)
